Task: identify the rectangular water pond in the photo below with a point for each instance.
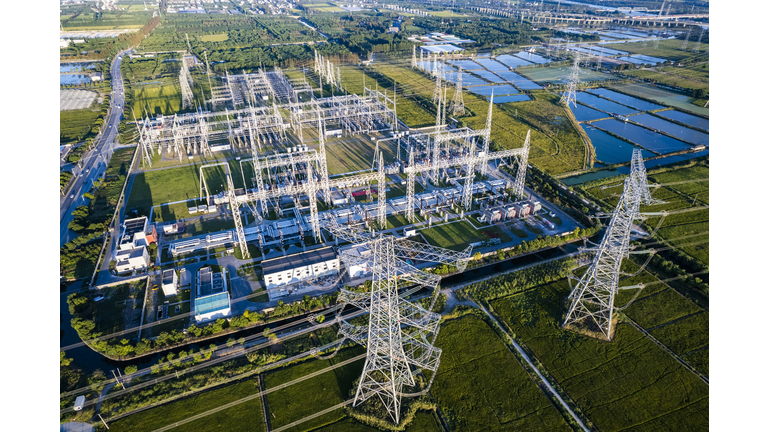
(513, 98)
(492, 65)
(467, 79)
(674, 129)
(518, 81)
(74, 79)
(610, 149)
(584, 113)
(559, 74)
(663, 96)
(501, 90)
(626, 100)
(531, 57)
(466, 64)
(490, 76)
(691, 120)
(643, 137)
(603, 104)
(512, 61)
(428, 65)
(607, 51)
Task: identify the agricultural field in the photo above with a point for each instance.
(641, 386)
(668, 78)
(482, 386)
(458, 235)
(668, 49)
(312, 395)
(243, 417)
(324, 7)
(689, 230)
(215, 37)
(164, 97)
(667, 97)
(76, 125)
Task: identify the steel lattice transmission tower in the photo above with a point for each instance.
(573, 84)
(592, 299)
(698, 42)
(392, 350)
(457, 102)
(185, 80)
(437, 94)
(413, 58)
(685, 42)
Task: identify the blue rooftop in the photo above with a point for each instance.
(211, 303)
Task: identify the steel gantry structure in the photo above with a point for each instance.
(437, 154)
(592, 299)
(397, 337)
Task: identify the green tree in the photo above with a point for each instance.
(231, 342)
(320, 318)
(131, 369)
(241, 341)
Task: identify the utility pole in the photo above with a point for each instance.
(105, 423)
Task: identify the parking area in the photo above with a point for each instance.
(76, 99)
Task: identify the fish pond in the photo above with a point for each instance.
(641, 136)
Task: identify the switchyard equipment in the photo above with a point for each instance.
(398, 333)
(592, 299)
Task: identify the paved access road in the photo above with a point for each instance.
(94, 163)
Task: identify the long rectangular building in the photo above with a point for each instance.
(280, 272)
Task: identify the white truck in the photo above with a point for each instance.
(79, 402)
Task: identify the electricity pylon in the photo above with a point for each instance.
(391, 349)
(573, 84)
(685, 42)
(592, 299)
(457, 102)
(437, 94)
(185, 81)
(413, 58)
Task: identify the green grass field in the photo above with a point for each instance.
(664, 96)
(641, 387)
(668, 78)
(481, 386)
(242, 417)
(75, 125)
(163, 186)
(559, 75)
(315, 394)
(215, 37)
(158, 98)
(667, 49)
(324, 7)
(458, 235)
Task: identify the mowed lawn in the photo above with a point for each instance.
(483, 387)
(629, 383)
(246, 416)
(458, 235)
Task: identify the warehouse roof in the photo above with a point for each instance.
(299, 260)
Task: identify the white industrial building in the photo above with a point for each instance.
(211, 296)
(280, 272)
(131, 259)
(170, 282)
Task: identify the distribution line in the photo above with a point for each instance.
(318, 414)
(267, 391)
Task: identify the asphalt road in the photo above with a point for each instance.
(95, 162)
